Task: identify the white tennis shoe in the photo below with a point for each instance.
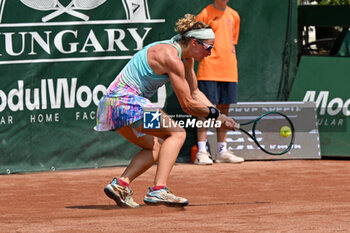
(164, 197)
(228, 157)
(203, 158)
(120, 194)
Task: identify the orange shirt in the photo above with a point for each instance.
(221, 65)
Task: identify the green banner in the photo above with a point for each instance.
(324, 80)
(58, 57)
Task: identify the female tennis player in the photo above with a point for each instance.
(121, 108)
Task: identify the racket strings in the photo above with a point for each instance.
(88, 4)
(274, 133)
(40, 4)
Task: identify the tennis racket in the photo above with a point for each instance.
(273, 132)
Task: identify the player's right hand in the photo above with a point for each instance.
(227, 122)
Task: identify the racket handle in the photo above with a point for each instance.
(237, 125)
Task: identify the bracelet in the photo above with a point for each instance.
(213, 113)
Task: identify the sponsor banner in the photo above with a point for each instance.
(57, 58)
(321, 80)
(304, 118)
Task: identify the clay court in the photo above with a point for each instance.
(272, 196)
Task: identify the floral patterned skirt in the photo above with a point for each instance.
(120, 109)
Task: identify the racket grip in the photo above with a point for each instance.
(237, 125)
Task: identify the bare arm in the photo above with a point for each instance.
(184, 89)
(164, 59)
(196, 94)
(193, 83)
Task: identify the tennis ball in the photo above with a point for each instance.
(285, 131)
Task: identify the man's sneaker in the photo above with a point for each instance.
(164, 197)
(203, 158)
(228, 157)
(120, 194)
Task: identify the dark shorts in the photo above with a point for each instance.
(219, 92)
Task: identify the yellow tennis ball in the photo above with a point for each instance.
(285, 131)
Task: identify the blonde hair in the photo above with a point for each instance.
(188, 23)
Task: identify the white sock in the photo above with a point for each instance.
(222, 147)
(202, 146)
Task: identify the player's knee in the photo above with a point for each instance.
(157, 145)
(156, 148)
(180, 136)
